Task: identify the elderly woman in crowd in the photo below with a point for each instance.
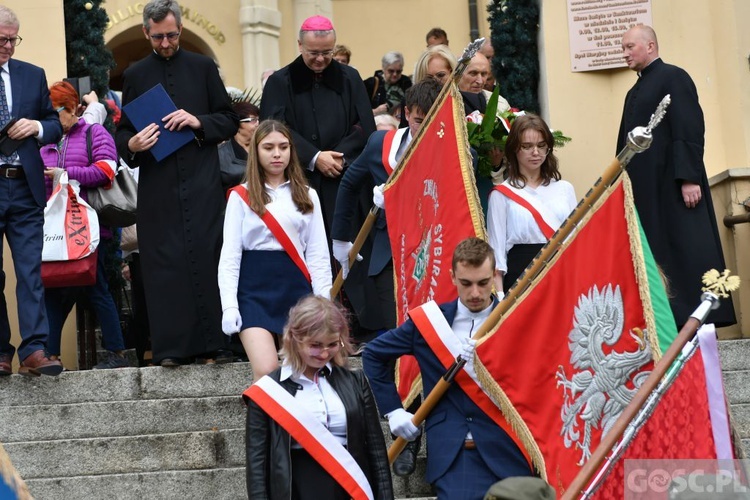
(312, 425)
(91, 168)
(387, 88)
(531, 203)
(437, 61)
(233, 153)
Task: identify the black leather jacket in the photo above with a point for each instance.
(267, 444)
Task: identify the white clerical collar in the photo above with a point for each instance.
(640, 73)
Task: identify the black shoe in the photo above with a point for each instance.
(406, 462)
(220, 357)
(170, 362)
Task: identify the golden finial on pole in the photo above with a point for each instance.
(720, 284)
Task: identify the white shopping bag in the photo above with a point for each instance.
(71, 227)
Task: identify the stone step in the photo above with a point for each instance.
(126, 418)
(216, 484)
(741, 419)
(127, 384)
(734, 354)
(737, 386)
(120, 418)
(132, 454)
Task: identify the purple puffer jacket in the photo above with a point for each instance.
(70, 153)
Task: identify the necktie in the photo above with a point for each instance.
(5, 118)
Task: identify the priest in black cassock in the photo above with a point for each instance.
(670, 186)
(180, 199)
(327, 109)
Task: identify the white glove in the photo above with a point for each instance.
(341, 253)
(231, 321)
(378, 198)
(401, 425)
(468, 347)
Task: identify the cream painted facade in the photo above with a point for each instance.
(706, 37)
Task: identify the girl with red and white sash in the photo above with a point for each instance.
(531, 204)
(274, 249)
(313, 429)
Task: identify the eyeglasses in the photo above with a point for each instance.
(60, 109)
(529, 147)
(14, 41)
(318, 53)
(251, 119)
(317, 348)
(169, 36)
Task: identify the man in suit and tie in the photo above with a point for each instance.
(467, 451)
(24, 96)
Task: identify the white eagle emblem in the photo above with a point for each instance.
(598, 392)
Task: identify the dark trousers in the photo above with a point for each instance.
(140, 328)
(22, 223)
(386, 299)
(468, 478)
(59, 302)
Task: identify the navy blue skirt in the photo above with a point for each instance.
(519, 258)
(270, 284)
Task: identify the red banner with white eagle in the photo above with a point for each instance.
(431, 205)
(567, 358)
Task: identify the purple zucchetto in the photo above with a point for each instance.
(317, 23)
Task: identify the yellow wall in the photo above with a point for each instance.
(706, 38)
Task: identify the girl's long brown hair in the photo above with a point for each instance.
(256, 176)
(549, 169)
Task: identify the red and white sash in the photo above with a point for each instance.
(281, 228)
(391, 143)
(547, 221)
(312, 435)
(429, 320)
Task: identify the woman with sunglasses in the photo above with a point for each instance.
(312, 425)
(274, 250)
(233, 152)
(531, 204)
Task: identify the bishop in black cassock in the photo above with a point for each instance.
(326, 107)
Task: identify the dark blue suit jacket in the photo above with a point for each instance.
(31, 100)
(453, 416)
(368, 164)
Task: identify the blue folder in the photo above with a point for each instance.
(150, 107)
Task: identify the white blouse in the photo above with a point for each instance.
(320, 399)
(508, 223)
(244, 230)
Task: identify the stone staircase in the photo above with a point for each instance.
(177, 433)
(735, 364)
(135, 433)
